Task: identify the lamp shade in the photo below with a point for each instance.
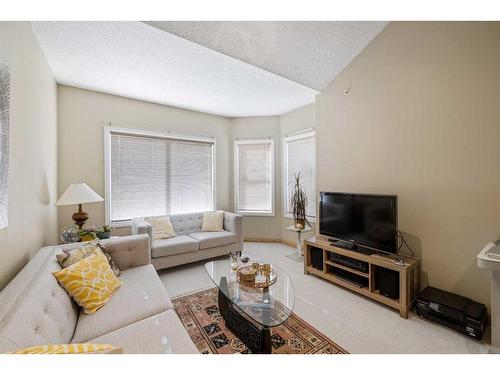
(77, 194)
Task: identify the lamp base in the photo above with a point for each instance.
(80, 217)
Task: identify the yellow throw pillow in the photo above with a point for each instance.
(90, 282)
(162, 227)
(213, 221)
(69, 349)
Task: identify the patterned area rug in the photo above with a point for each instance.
(200, 315)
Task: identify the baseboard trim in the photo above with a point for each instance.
(289, 243)
(272, 240)
(268, 240)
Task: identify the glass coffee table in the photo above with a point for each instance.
(251, 312)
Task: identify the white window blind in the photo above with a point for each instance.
(299, 156)
(254, 171)
(158, 176)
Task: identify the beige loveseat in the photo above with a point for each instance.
(191, 244)
(139, 317)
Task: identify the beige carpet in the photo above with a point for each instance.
(200, 315)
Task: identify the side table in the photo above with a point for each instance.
(297, 255)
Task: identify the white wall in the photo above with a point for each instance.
(33, 150)
(82, 114)
(422, 121)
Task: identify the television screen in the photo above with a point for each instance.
(362, 219)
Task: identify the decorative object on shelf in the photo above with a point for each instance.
(86, 235)
(91, 233)
(298, 202)
(78, 194)
(4, 142)
(103, 232)
(256, 275)
(70, 235)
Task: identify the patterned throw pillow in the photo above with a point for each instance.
(90, 282)
(213, 221)
(70, 257)
(111, 262)
(162, 227)
(71, 349)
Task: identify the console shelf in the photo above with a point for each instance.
(409, 282)
(336, 265)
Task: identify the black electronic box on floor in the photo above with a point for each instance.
(454, 311)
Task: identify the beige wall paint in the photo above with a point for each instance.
(33, 150)
(82, 114)
(291, 122)
(261, 227)
(422, 121)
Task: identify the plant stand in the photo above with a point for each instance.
(297, 255)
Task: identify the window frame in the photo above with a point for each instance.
(302, 134)
(238, 142)
(109, 130)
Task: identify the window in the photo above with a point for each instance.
(254, 177)
(299, 156)
(151, 174)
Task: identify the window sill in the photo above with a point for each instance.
(256, 214)
(121, 224)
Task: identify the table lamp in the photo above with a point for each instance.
(78, 194)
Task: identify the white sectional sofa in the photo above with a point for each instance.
(139, 317)
(191, 244)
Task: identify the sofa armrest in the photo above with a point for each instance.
(234, 223)
(141, 226)
(129, 251)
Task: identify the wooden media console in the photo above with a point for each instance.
(409, 273)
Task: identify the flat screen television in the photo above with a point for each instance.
(364, 221)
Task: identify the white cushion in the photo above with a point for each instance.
(159, 334)
(213, 239)
(213, 221)
(162, 227)
(141, 295)
(173, 246)
(187, 223)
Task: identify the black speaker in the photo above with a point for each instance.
(317, 258)
(388, 283)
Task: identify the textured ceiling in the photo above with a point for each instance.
(233, 69)
(311, 53)
(135, 60)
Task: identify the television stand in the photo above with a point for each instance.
(351, 246)
(363, 280)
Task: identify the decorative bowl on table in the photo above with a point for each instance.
(103, 235)
(252, 276)
(247, 274)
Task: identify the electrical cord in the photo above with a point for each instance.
(403, 242)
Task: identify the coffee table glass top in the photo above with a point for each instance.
(267, 306)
